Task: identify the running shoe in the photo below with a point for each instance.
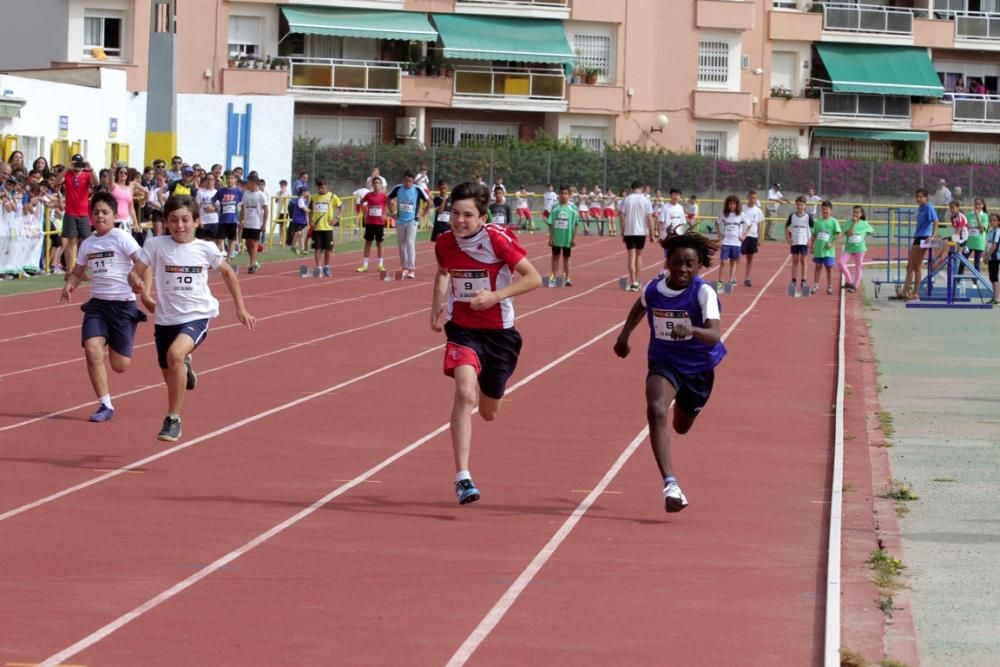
(327, 272)
(171, 431)
(466, 491)
(252, 268)
(673, 498)
(103, 414)
(362, 269)
(636, 287)
(410, 275)
(746, 283)
(719, 285)
(192, 378)
(816, 288)
(829, 290)
(551, 282)
(568, 283)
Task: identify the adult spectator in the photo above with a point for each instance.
(16, 160)
(78, 183)
(302, 181)
(775, 199)
(637, 224)
(174, 173)
(186, 185)
(942, 196)
(5, 174)
(407, 203)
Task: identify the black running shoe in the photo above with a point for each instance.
(466, 491)
(171, 431)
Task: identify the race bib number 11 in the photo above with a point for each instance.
(465, 284)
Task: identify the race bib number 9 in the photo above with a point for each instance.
(823, 237)
(465, 284)
(100, 262)
(562, 222)
(664, 322)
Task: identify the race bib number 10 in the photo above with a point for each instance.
(664, 322)
(465, 284)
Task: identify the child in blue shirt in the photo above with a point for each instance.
(685, 346)
(927, 224)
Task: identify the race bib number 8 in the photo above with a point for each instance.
(664, 322)
(465, 284)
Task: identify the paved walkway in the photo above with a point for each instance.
(940, 372)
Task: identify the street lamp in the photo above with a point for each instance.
(661, 122)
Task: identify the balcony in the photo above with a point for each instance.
(254, 82)
(795, 26)
(722, 105)
(967, 108)
(600, 99)
(796, 111)
(547, 9)
(853, 105)
(514, 88)
(724, 15)
(867, 19)
(977, 26)
(345, 81)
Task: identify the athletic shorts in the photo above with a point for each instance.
(916, 239)
(730, 252)
(749, 246)
(524, 213)
(115, 321)
(75, 226)
(322, 239)
(824, 261)
(227, 231)
(693, 391)
(207, 232)
(609, 213)
(596, 211)
(251, 234)
(800, 250)
(374, 233)
(637, 242)
(994, 267)
(565, 252)
(166, 334)
(493, 353)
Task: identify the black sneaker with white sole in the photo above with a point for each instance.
(466, 491)
(171, 431)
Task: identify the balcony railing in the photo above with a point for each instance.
(850, 17)
(976, 25)
(510, 82)
(969, 108)
(524, 4)
(865, 106)
(341, 75)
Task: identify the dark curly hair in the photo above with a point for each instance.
(704, 246)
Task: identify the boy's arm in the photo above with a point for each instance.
(632, 320)
(233, 284)
(529, 279)
(709, 334)
(438, 302)
(73, 280)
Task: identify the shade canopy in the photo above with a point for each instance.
(469, 37)
(880, 69)
(371, 24)
(879, 135)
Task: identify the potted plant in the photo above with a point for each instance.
(591, 75)
(780, 91)
(280, 64)
(234, 58)
(578, 74)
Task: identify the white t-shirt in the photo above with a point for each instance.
(774, 198)
(942, 196)
(550, 199)
(180, 273)
(707, 299)
(595, 199)
(204, 198)
(732, 226)
(254, 204)
(799, 227)
(753, 216)
(672, 219)
(521, 201)
(108, 258)
(636, 210)
(812, 202)
(359, 194)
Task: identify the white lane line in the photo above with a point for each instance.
(249, 420)
(507, 600)
(831, 646)
(225, 560)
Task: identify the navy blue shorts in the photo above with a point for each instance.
(207, 232)
(828, 262)
(800, 250)
(693, 391)
(492, 352)
(115, 321)
(749, 246)
(166, 334)
(730, 252)
(226, 231)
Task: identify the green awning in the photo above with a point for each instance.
(371, 24)
(880, 69)
(500, 38)
(879, 135)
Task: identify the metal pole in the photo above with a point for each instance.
(492, 158)
(548, 167)
(819, 175)
(604, 178)
(433, 164)
(871, 182)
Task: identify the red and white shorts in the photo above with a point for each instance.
(524, 213)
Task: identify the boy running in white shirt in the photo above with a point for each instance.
(184, 304)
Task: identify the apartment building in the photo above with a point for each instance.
(882, 79)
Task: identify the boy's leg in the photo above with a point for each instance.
(461, 415)
(630, 253)
(637, 260)
(565, 261)
(317, 254)
(555, 262)
(94, 352)
(816, 270)
(659, 394)
(175, 374)
(368, 250)
(378, 251)
(489, 407)
(918, 265)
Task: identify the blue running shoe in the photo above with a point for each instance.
(466, 491)
(103, 414)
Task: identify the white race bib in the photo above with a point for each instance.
(229, 208)
(974, 231)
(406, 208)
(375, 211)
(823, 237)
(465, 284)
(855, 239)
(562, 222)
(500, 218)
(664, 322)
(322, 207)
(444, 216)
(100, 262)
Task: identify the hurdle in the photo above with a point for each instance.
(899, 232)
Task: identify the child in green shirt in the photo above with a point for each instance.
(562, 234)
(979, 223)
(825, 233)
(854, 247)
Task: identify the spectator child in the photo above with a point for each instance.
(227, 200)
(500, 213)
(549, 201)
(253, 220)
(611, 211)
(523, 209)
(978, 224)
(691, 212)
(300, 220)
(798, 234)
(442, 210)
(208, 211)
(597, 209)
(993, 256)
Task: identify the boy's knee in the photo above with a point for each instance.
(175, 358)
(465, 396)
(94, 350)
(656, 411)
(119, 364)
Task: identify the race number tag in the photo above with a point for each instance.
(375, 211)
(974, 231)
(100, 262)
(465, 284)
(562, 222)
(500, 219)
(406, 208)
(184, 278)
(229, 207)
(664, 322)
(854, 239)
(322, 207)
(823, 237)
(444, 216)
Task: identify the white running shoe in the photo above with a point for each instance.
(674, 499)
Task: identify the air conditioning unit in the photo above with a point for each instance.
(406, 127)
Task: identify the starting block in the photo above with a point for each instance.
(317, 272)
(387, 276)
(807, 291)
(728, 288)
(623, 283)
(792, 288)
(560, 281)
(303, 271)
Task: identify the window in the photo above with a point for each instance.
(591, 137)
(855, 149)
(244, 35)
(103, 31)
(712, 144)
(471, 132)
(594, 52)
(713, 62)
(340, 129)
(780, 147)
(784, 4)
(947, 151)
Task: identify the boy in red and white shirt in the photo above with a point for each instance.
(374, 211)
(523, 209)
(476, 266)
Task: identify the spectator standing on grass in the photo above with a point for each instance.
(775, 199)
(993, 256)
(407, 204)
(637, 225)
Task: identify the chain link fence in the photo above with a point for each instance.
(845, 182)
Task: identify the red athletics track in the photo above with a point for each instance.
(184, 559)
